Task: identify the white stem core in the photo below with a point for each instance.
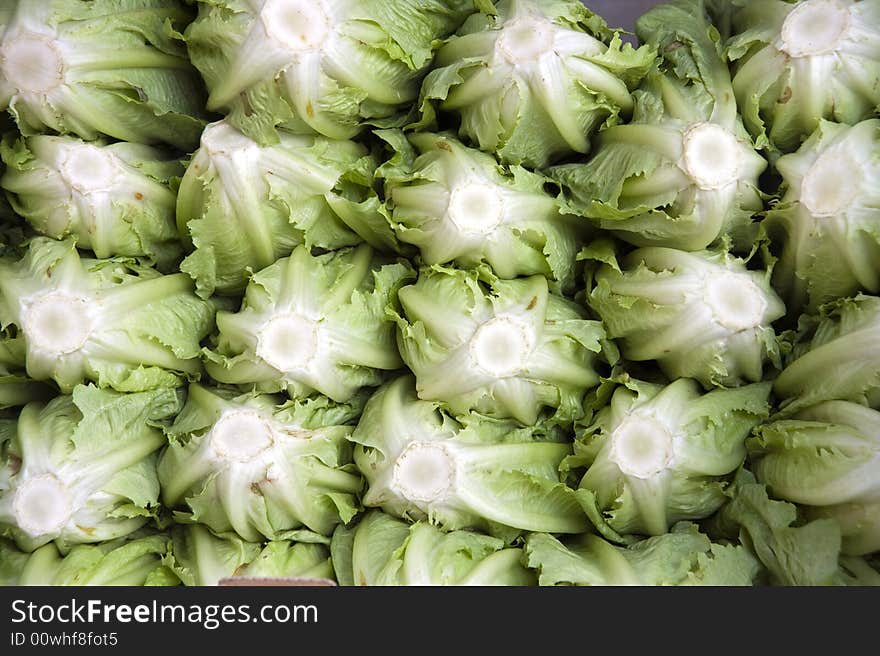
(641, 447)
(829, 186)
(524, 40)
(31, 62)
(288, 342)
(424, 472)
(57, 322)
(502, 346)
(42, 506)
(711, 156)
(814, 27)
(735, 301)
(89, 169)
(241, 435)
(476, 208)
(296, 25)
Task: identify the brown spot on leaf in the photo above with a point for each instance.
(14, 464)
(786, 96)
(138, 195)
(532, 303)
(442, 145)
(88, 530)
(246, 105)
(310, 111)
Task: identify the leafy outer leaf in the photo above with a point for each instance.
(828, 246)
(531, 236)
(821, 456)
(836, 360)
(793, 553)
(683, 556)
(132, 216)
(639, 182)
(11, 563)
(109, 563)
(383, 550)
(287, 560)
(201, 558)
(859, 525)
(244, 206)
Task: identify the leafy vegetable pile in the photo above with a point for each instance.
(439, 292)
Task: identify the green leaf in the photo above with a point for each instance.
(382, 550)
(794, 553)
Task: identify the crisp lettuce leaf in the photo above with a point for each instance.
(457, 204)
(683, 556)
(794, 552)
(244, 206)
(826, 226)
(683, 173)
(200, 557)
(380, 550)
(16, 389)
(134, 562)
(859, 524)
(700, 315)
(836, 357)
(824, 455)
(797, 63)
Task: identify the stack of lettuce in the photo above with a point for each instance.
(417, 292)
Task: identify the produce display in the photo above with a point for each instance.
(439, 292)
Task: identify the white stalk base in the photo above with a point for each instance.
(241, 435)
(735, 301)
(424, 472)
(42, 506)
(641, 447)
